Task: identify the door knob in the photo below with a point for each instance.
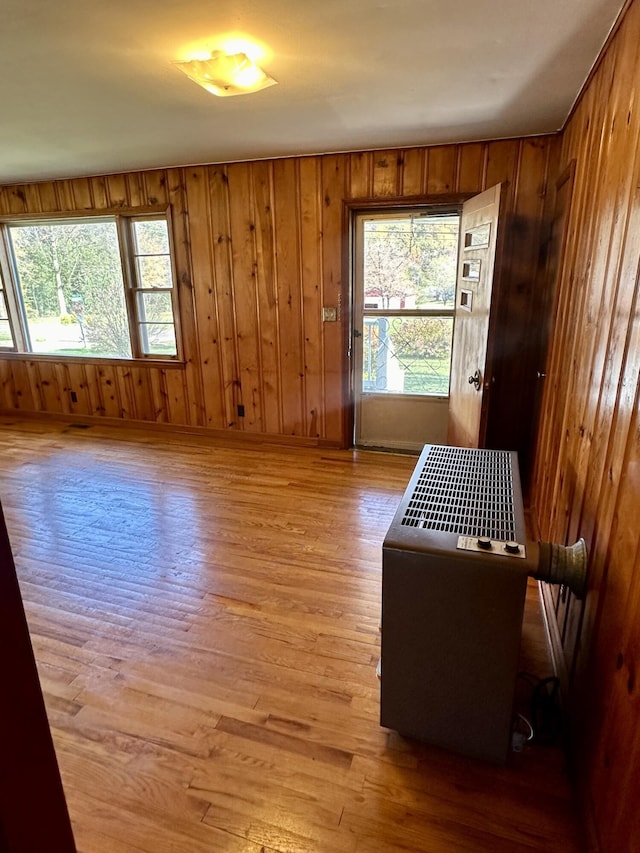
(475, 380)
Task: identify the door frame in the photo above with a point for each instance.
(350, 209)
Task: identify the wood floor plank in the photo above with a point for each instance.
(204, 616)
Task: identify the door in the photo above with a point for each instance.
(548, 294)
(30, 773)
(404, 287)
(558, 599)
(470, 379)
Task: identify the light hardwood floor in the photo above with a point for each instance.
(205, 621)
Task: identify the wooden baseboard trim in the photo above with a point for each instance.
(235, 436)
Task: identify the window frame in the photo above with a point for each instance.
(5, 302)
(124, 223)
(426, 211)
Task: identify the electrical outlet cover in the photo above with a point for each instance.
(329, 314)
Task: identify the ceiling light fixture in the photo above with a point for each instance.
(226, 74)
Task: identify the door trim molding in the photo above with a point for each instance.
(351, 207)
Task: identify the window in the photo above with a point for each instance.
(90, 287)
(6, 333)
(408, 290)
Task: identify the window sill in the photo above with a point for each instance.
(173, 363)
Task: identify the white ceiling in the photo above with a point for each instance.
(88, 86)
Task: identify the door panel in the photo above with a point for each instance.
(401, 424)
(547, 308)
(469, 380)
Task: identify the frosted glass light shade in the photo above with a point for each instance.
(227, 74)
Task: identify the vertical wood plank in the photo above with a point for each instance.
(289, 296)
(205, 303)
(224, 292)
(159, 395)
(267, 296)
(64, 192)
(99, 192)
(26, 395)
(386, 174)
(361, 174)
(441, 169)
(81, 194)
(125, 392)
(77, 382)
(63, 383)
(93, 390)
(470, 168)
(142, 395)
(111, 405)
(333, 191)
(116, 189)
(49, 201)
(5, 207)
(156, 187)
(33, 199)
(244, 285)
(311, 272)
(16, 199)
(187, 319)
(135, 191)
(502, 158)
(177, 397)
(8, 397)
(414, 167)
(47, 385)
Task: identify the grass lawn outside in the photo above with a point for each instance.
(413, 375)
(49, 336)
(426, 375)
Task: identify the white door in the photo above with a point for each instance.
(470, 369)
(404, 278)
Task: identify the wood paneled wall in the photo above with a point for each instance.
(259, 250)
(587, 472)
(125, 390)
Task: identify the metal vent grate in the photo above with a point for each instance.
(464, 491)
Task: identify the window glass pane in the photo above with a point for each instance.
(70, 277)
(6, 339)
(156, 323)
(154, 271)
(477, 237)
(407, 355)
(410, 263)
(155, 307)
(3, 306)
(151, 237)
(158, 339)
(471, 270)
